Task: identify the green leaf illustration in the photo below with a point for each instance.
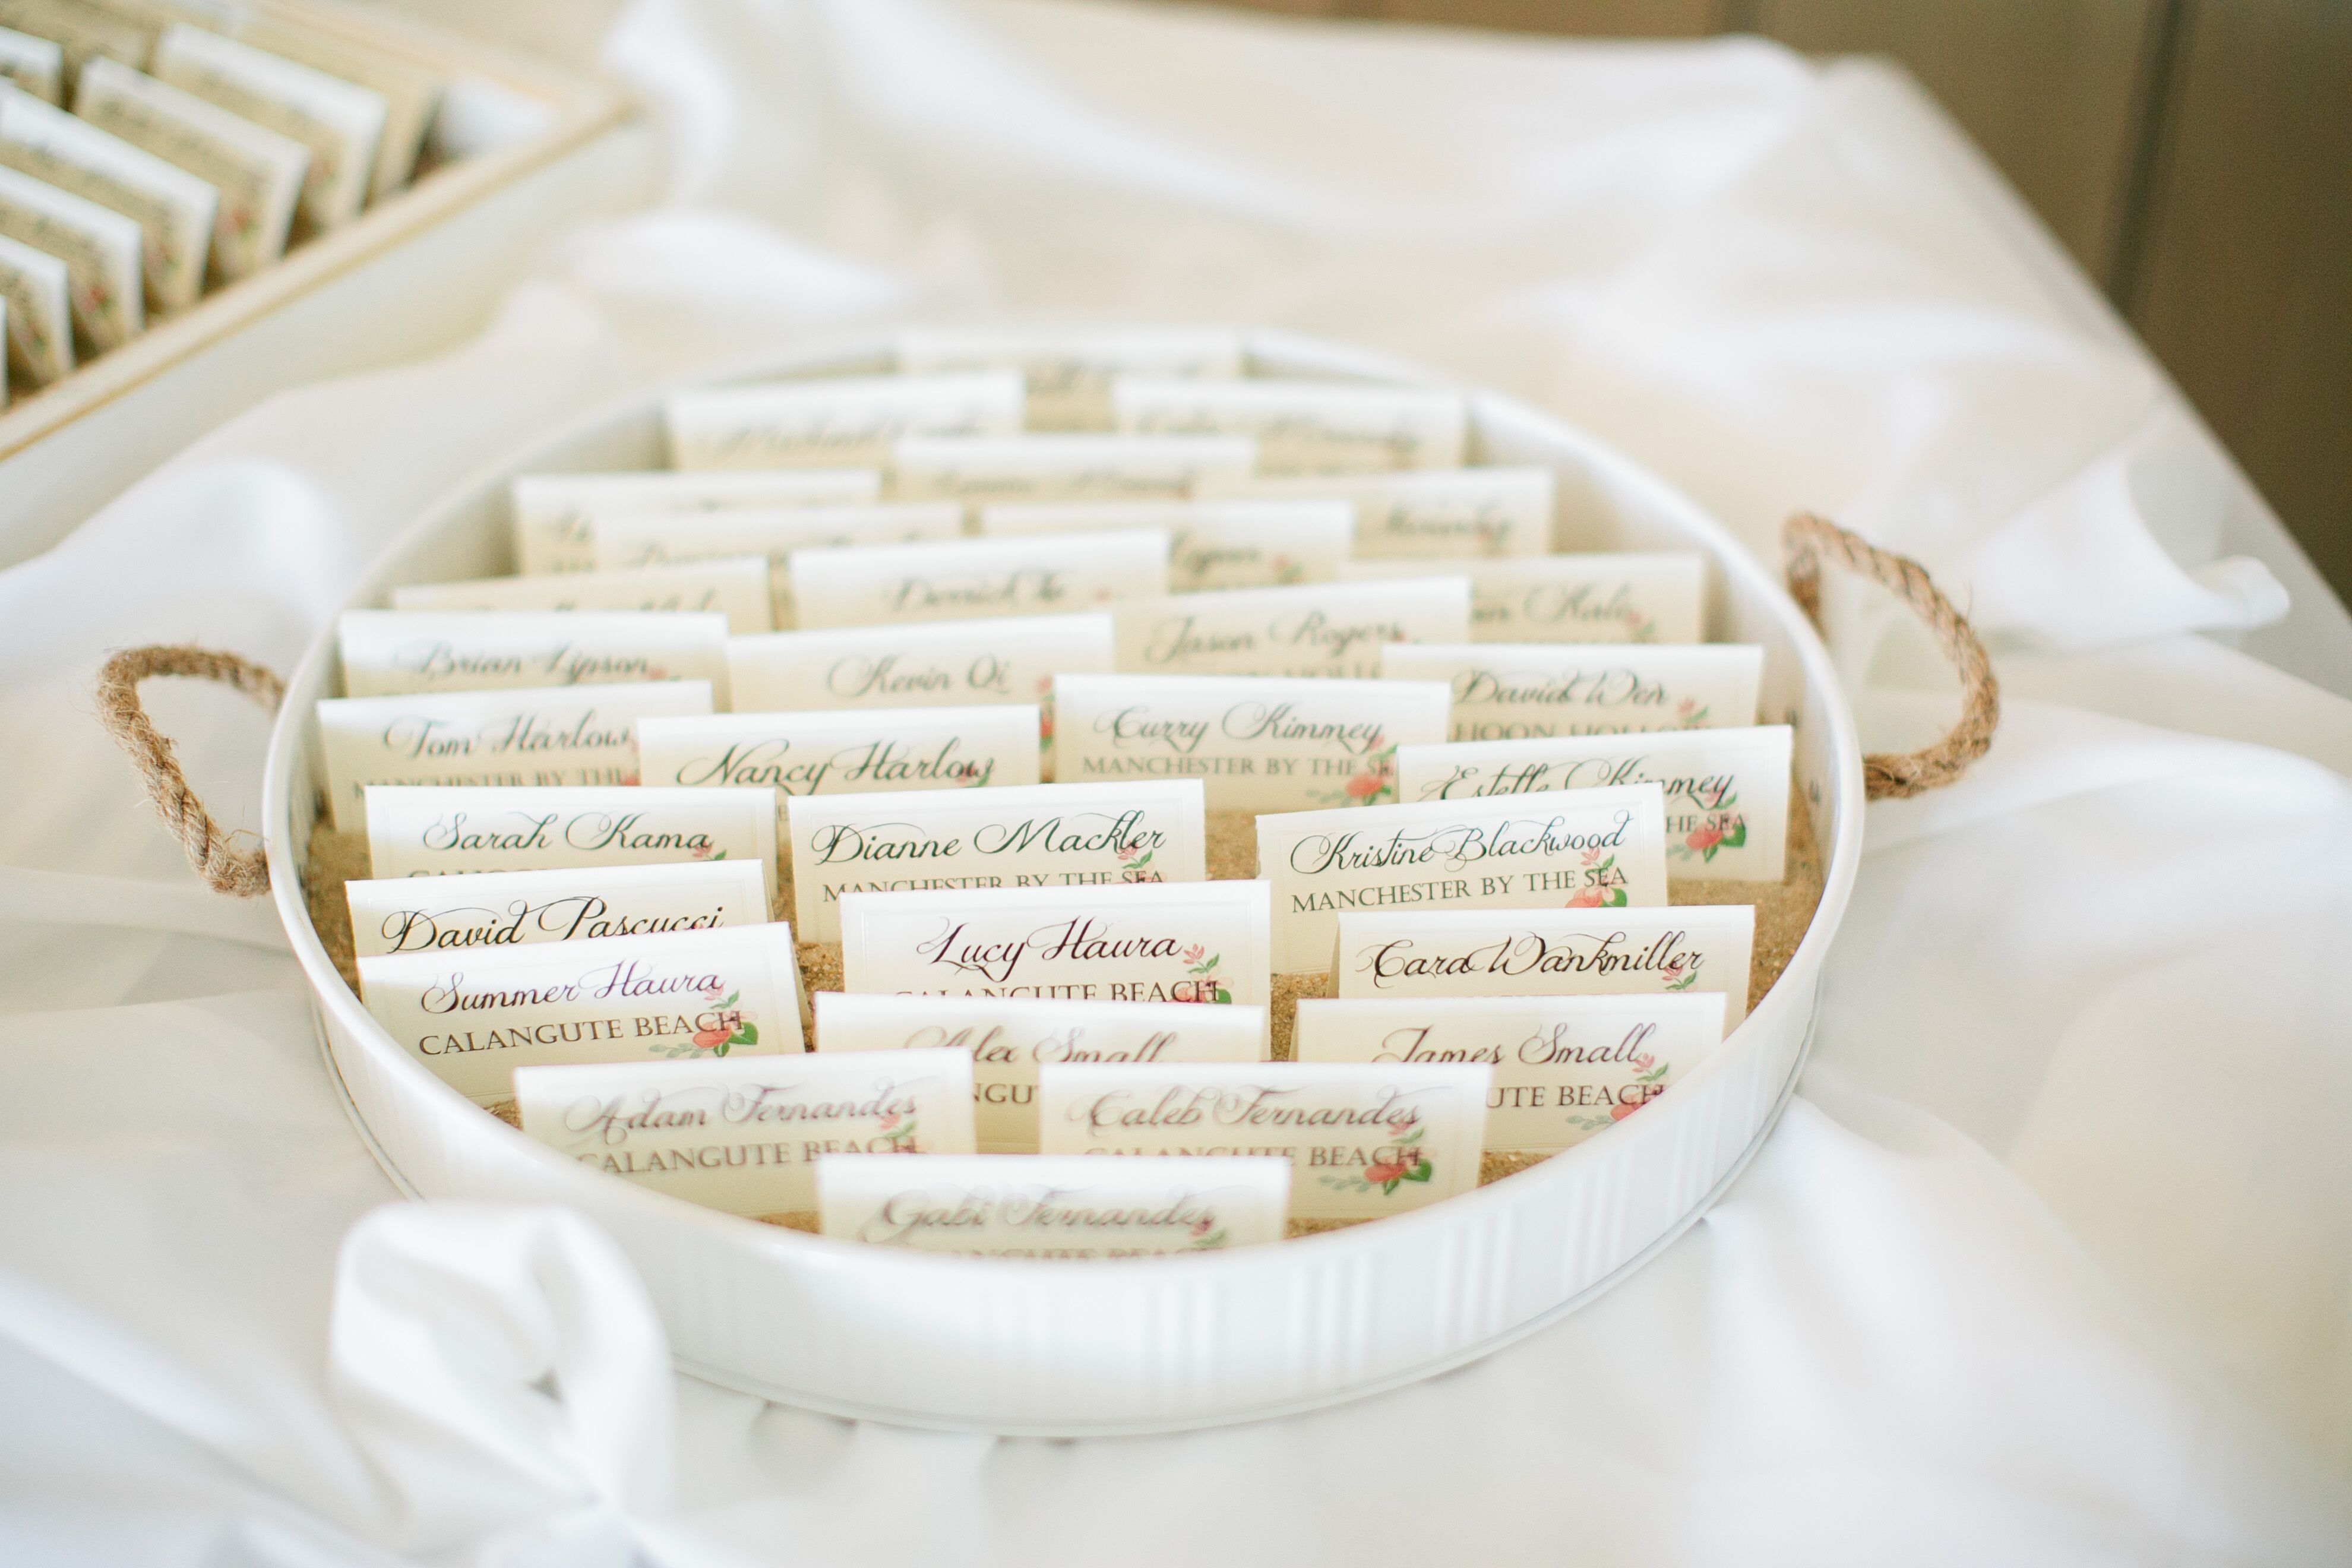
(1419, 1173)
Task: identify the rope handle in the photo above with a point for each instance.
(227, 865)
(1806, 541)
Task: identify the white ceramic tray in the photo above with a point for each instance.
(1069, 1348)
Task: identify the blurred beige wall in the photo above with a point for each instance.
(2195, 155)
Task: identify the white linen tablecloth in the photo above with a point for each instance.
(2050, 1261)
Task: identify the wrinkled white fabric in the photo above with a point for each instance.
(2050, 1262)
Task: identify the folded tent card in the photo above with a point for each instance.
(747, 1134)
(1012, 1037)
(1325, 630)
(1600, 849)
(1726, 791)
(1062, 575)
(474, 1015)
(1303, 426)
(1422, 513)
(340, 122)
(1258, 744)
(1211, 544)
(389, 653)
(557, 516)
(572, 904)
(1067, 372)
(548, 736)
(37, 289)
(1564, 1066)
(430, 830)
(1363, 1139)
(854, 751)
(976, 471)
(997, 1205)
(101, 248)
(1505, 690)
(1598, 598)
(33, 64)
(738, 589)
(174, 209)
(1045, 836)
(776, 533)
(842, 423)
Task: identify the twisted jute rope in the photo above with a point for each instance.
(233, 863)
(1806, 541)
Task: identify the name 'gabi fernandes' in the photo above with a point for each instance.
(1531, 952)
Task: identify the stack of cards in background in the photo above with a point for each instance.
(146, 160)
(980, 667)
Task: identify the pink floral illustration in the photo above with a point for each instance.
(1681, 974)
(1601, 895)
(1192, 953)
(1373, 781)
(898, 1130)
(1688, 714)
(1135, 862)
(725, 1030)
(1208, 985)
(1404, 1162)
(1639, 628)
(709, 852)
(1588, 899)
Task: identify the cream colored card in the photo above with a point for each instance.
(979, 470)
(1454, 514)
(853, 750)
(748, 1135)
(100, 248)
(1045, 836)
(737, 589)
(173, 209)
(1211, 544)
(1154, 942)
(259, 173)
(1506, 691)
(1727, 791)
(1016, 1206)
(1331, 631)
(513, 908)
(549, 736)
(1565, 1067)
(34, 66)
(1009, 1037)
(941, 664)
(476, 1015)
(84, 33)
(556, 516)
(1551, 952)
(849, 423)
(36, 289)
(1304, 426)
(340, 122)
(1574, 849)
(1606, 598)
(1068, 370)
(389, 653)
(429, 830)
(896, 584)
(1257, 742)
(412, 93)
(1363, 1140)
(656, 539)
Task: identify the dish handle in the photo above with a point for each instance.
(230, 862)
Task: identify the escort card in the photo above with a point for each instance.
(854, 751)
(509, 909)
(1259, 744)
(1326, 630)
(340, 122)
(474, 1015)
(386, 653)
(37, 291)
(1556, 952)
(894, 584)
(1363, 1140)
(1211, 544)
(173, 209)
(1511, 691)
(1727, 791)
(35, 66)
(1303, 426)
(82, 31)
(737, 589)
(1046, 835)
(1449, 514)
(428, 830)
(1581, 849)
(748, 1135)
(100, 247)
(836, 423)
(655, 539)
(556, 515)
(975, 471)
(1068, 370)
(1009, 1037)
(1575, 598)
(259, 173)
(1006, 1206)
(552, 735)
(1565, 1067)
(1157, 942)
(412, 92)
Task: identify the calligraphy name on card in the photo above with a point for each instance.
(426, 830)
(847, 423)
(1067, 370)
(1002, 1205)
(1454, 514)
(1210, 543)
(849, 751)
(571, 903)
(1070, 573)
(737, 589)
(1601, 598)
(1324, 630)
(1303, 426)
(1508, 690)
(393, 652)
(557, 517)
(979, 470)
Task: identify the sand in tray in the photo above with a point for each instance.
(1784, 910)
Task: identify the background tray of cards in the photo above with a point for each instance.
(511, 149)
(1040, 1346)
